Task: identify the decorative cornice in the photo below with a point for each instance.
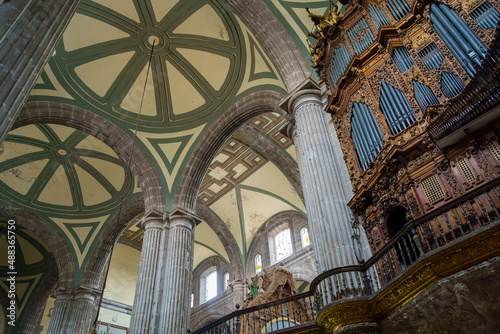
(179, 213)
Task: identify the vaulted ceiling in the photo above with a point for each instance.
(203, 61)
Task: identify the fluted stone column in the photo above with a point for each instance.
(60, 312)
(325, 199)
(178, 273)
(29, 32)
(83, 310)
(239, 287)
(160, 277)
(142, 314)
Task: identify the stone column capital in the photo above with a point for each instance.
(153, 220)
(86, 292)
(62, 293)
(308, 91)
(181, 216)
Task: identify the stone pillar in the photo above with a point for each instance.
(160, 277)
(60, 312)
(29, 32)
(239, 287)
(178, 273)
(325, 199)
(83, 310)
(152, 224)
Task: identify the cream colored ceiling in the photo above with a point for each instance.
(205, 60)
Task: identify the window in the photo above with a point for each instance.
(258, 264)
(432, 189)
(283, 244)
(211, 285)
(226, 281)
(192, 299)
(304, 237)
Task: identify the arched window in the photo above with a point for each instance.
(304, 237)
(458, 36)
(226, 281)
(283, 244)
(211, 285)
(258, 264)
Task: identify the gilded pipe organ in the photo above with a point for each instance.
(394, 69)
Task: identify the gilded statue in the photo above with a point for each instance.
(315, 52)
(331, 19)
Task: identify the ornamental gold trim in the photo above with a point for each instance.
(452, 259)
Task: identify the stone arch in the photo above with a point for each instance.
(233, 118)
(60, 274)
(274, 225)
(265, 147)
(272, 36)
(53, 239)
(223, 232)
(34, 311)
(104, 130)
(95, 269)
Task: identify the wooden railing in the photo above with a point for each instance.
(420, 238)
(481, 95)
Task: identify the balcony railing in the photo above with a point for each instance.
(481, 95)
(421, 238)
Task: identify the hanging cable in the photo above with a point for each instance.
(94, 331)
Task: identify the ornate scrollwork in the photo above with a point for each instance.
(421, 42)
(445, 169)
(476, 152)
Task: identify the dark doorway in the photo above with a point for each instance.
(406, 248)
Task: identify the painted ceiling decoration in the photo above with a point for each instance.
(34, 260)
(248, 204)
(66, 177)
(204, 60)
(241, 171)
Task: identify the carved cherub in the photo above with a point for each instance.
(315, 52)
(321, 22)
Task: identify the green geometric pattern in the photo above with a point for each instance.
(85, 229)
(32, 263)
(101, 65)
(67, 178)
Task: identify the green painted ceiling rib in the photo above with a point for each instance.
(244, 251)
(91, 228)
(102, 71)
(213, 250)
(262, 191)
(70, 153)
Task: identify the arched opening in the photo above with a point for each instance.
(406, 248)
